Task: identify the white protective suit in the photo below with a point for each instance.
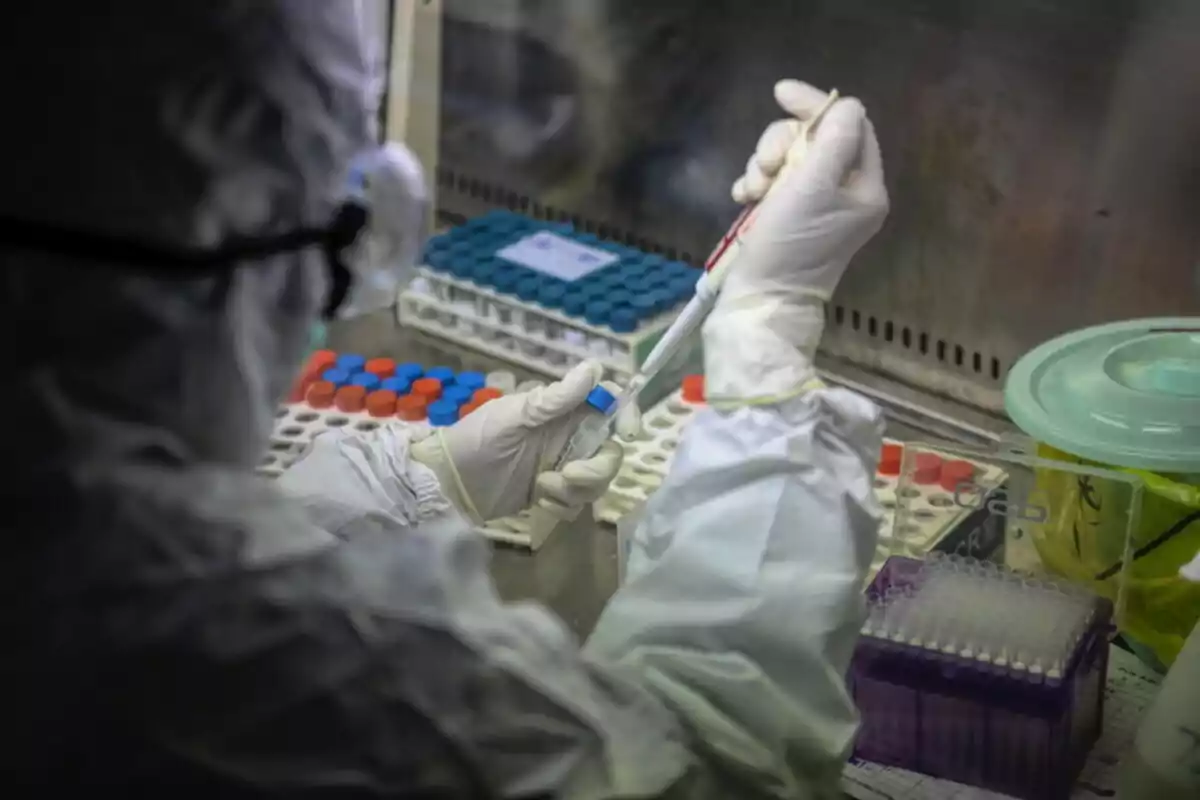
(172, 622)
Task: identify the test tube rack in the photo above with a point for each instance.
(477, 290)
(297, 424)
(931, 515)
(299, 421)
(970, 672)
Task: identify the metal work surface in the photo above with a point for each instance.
(1040, 154)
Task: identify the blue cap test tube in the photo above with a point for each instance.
(552, 293)
(409, 371)
(598, 311)
(662, 300)
(443, 374)
(442, 413)
(367, 380)
(620, 297)
(471, 380)
(351, 362)
(400, 386)
(338, 377)
(504, 279)
(527, 288)
(459, 395)
(644, 305)
(575, 303)
(623, 320)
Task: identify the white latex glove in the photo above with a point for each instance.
(495, 461)
(813, 217)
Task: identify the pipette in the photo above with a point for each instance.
(596, 429)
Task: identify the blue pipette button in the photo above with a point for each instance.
(442, 413)
(601, 399)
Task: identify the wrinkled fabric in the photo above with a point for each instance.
(717, 671)
(173, 622)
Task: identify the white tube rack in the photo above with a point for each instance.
(297, 424)
(527, 334)
(930, 511)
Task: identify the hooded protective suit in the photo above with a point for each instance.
(172, 621)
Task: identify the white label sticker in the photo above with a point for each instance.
(557, 256)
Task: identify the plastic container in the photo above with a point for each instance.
(1126, 397)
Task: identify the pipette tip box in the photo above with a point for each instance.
(955, 689)
(545, 296)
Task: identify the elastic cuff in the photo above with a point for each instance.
(730, 403)
(431, 452)
(761, 354)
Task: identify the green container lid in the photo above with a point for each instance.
(1125, 394)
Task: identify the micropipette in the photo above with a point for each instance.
(595, 430)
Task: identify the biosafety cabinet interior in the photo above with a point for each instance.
(1041, 155)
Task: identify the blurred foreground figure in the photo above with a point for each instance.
(173, 621)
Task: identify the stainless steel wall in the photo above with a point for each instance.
(1043, 156)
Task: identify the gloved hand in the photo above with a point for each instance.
(761, 337)
(495, 461)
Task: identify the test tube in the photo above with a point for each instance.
(598, 313)
(442, 413)
(527, 291)
(504, 280)
(471, 380)
(502, 380)
(551, 295)
(459, 395)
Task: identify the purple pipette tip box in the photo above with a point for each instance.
(964, 720)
